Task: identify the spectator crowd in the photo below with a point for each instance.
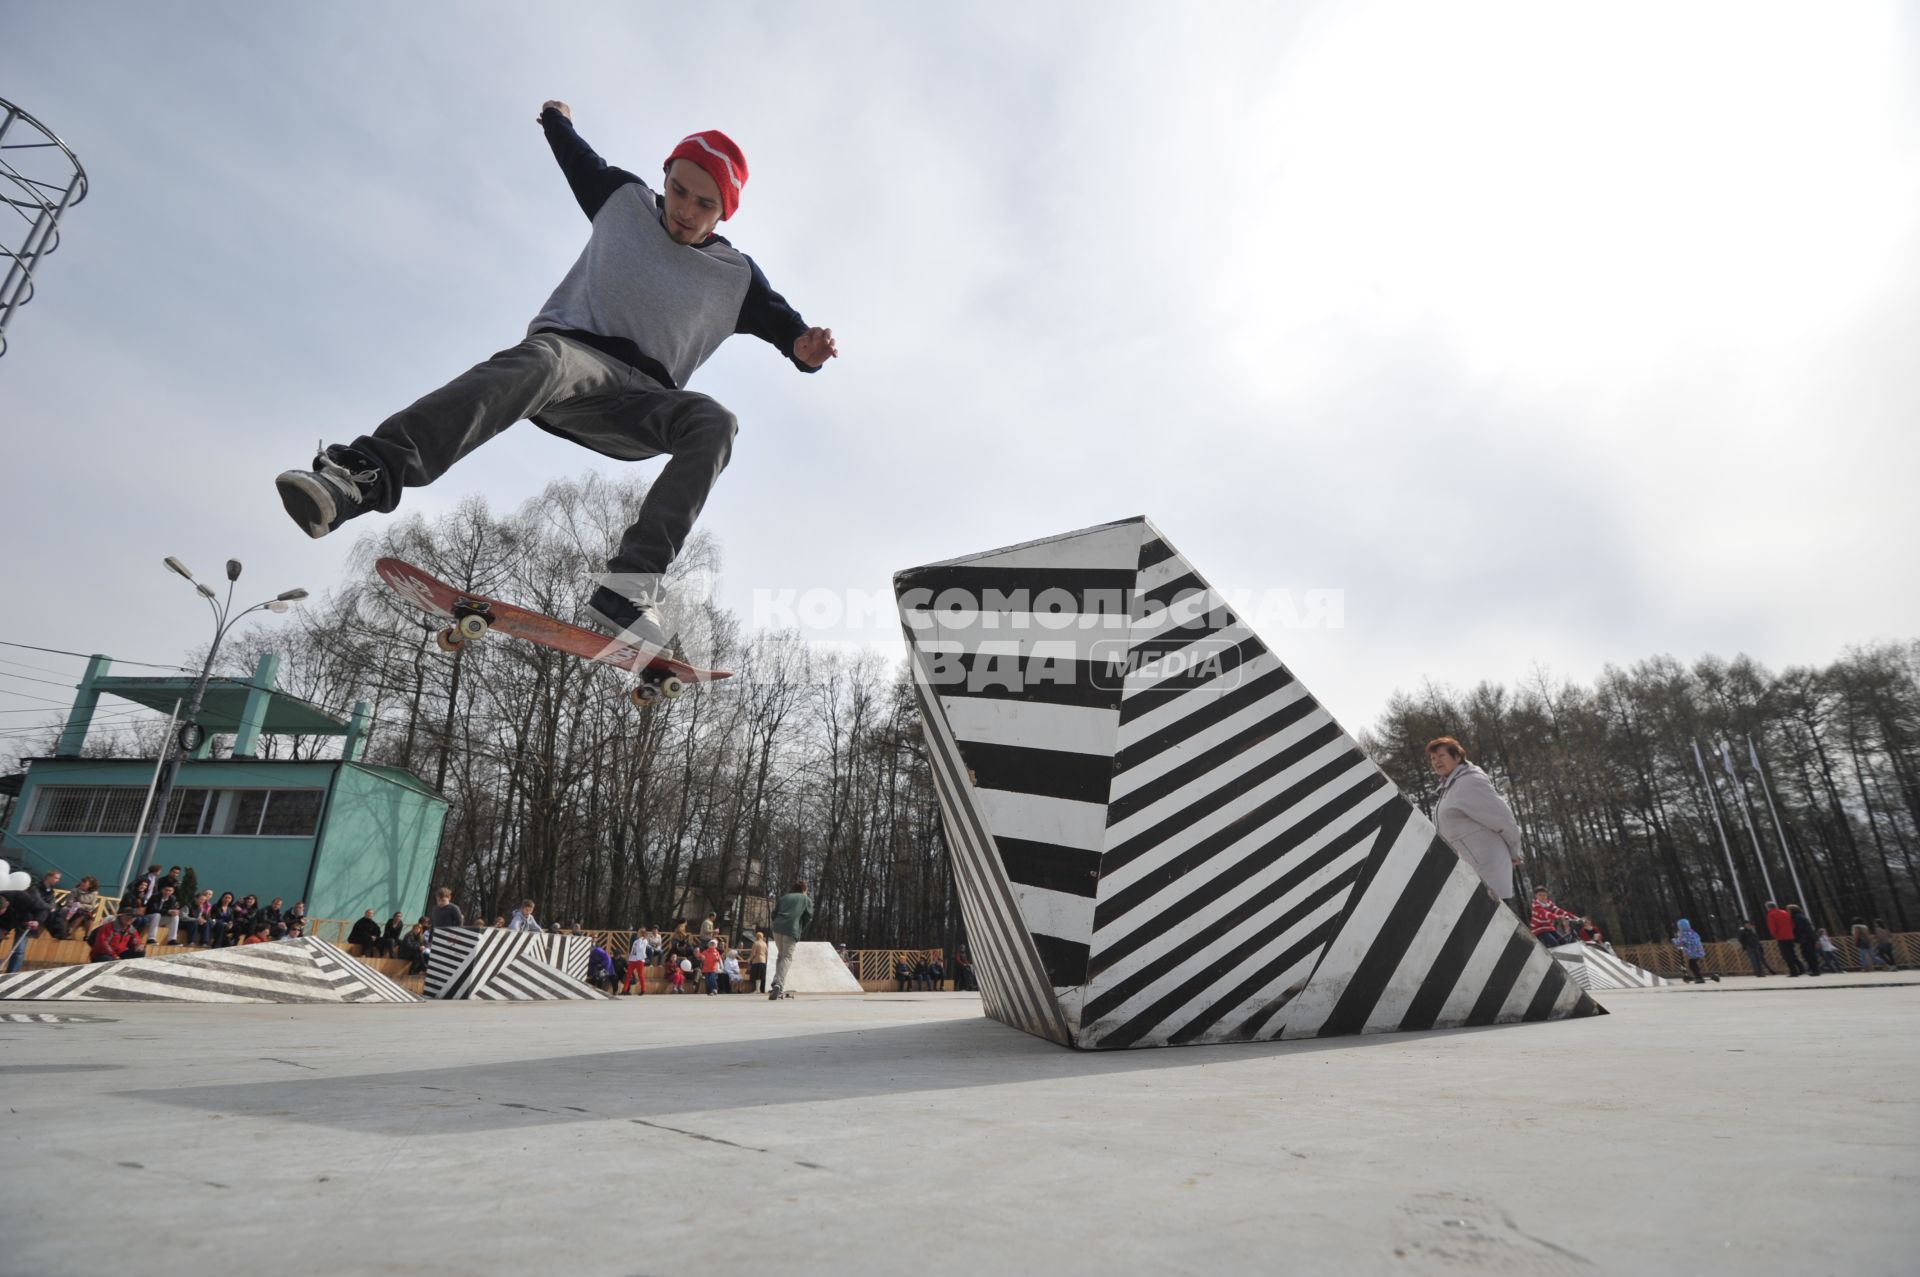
(699, 957)
(156, 908)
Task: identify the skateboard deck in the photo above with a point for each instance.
(473, 616)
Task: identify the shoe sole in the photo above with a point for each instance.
(620, 634)
(307, 500)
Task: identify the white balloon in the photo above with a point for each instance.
(19, 881)
(6, 870)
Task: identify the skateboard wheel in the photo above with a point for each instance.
(671, 687)
(471, 626)
(447, 641)
(644, 695)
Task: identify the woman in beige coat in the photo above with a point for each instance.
(1473, 818)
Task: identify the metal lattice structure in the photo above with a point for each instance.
(40, 179)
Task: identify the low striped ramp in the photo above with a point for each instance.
(305, 970)
(508, 966)
(1160, 838)
(1594, 968)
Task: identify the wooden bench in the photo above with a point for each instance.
(45, 951)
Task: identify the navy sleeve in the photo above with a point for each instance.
(766, 315)
(591, 177)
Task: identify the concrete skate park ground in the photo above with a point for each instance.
(1750, 1127)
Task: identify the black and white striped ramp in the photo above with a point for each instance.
(508, 966)
(1160, 838)
(306, 970)
(1595, 968)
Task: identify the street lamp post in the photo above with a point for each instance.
(191, 734)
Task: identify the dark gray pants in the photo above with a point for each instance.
(576, 392)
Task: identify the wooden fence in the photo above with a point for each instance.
(1726, 957)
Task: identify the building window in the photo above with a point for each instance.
(119, 808)
(242, 811)
(291, 813)
(92, 809)
(115, 809)
(65, 811)
(186, 813)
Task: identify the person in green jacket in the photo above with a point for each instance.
(790, 919)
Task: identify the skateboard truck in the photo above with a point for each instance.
(471, 620)
(656, 685)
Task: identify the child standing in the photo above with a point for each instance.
(637, 958)
(1693, 949)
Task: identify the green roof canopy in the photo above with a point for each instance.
(225, 701)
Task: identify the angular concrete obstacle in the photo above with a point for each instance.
(817, 968)
(1160, 838)
(1594, 968)
(305, 970)
(508, 966)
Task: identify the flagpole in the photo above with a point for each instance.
(1746, 815)
(1714, 807)
(1779, 831)
(140, 827)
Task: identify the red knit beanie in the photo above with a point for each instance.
(715, 152)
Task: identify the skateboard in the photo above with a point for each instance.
(473, 616)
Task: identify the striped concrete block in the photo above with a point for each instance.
(1595, 968)
(513, 966)
(1160, 838)
(305, 970)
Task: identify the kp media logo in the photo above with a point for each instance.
(1077, 648)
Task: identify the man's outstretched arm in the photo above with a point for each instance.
(765, 314)
(591, 177)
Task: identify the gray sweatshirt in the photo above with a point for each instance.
(639, 296)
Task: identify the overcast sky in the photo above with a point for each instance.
(1550, 335)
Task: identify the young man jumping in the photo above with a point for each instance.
(604, 364)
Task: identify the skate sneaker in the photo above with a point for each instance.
(637, 622)
(339, 486)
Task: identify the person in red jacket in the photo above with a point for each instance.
(1545, 914)
(1807, 936)
(116, 940)
(1780, 927)
(710, 965)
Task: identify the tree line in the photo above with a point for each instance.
(809, 763)
(1619, 820)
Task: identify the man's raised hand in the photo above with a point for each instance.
(557, 105)
(815, 346)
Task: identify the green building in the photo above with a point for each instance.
(343, 835)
